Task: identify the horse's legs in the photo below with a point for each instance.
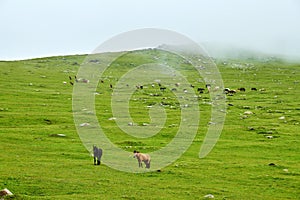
(98, 162)
(94, 161)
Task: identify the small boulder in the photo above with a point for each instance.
(250, 128)
(248, 113)
(84, 124)
(130, 124)
(5, 192)
(209, 196)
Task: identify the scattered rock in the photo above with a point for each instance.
(112, 118)
(209, 196)
(58, 135)
(173, 125)
(246, 107)
(3, 109)
(5, 192)
(250, 128)
(248, 113)
(281, 118)
(244, 117)
(269, 136)
(285, 170)
(84, 124)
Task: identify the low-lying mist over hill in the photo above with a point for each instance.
(211, 49)
(223, 51)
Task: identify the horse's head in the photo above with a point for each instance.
(135, 153)
(95, 148)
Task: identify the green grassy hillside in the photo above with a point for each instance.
(38, 162)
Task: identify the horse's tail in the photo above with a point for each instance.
(148, 163)
(99, 153)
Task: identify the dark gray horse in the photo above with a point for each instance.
(97, 155)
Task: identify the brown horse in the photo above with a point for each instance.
(141, 157)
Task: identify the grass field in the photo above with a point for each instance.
(36, 163)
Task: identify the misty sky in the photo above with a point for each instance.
(32, 28)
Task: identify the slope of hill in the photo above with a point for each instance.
(256, 157)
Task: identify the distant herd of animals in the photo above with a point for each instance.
(200, 90)
(141, 157)
(77, 80)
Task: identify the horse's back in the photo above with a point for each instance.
(97, 152)
(146, 157)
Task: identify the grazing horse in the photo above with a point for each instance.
(162, 89)
(200, 90)
(97, 155)
(242, 89)
(141, 157)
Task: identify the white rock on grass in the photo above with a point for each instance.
(248, 113)
(209, 196)
(281, 118)
(5, 192)
(84, 124)
(61, 135)
(130, 124)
